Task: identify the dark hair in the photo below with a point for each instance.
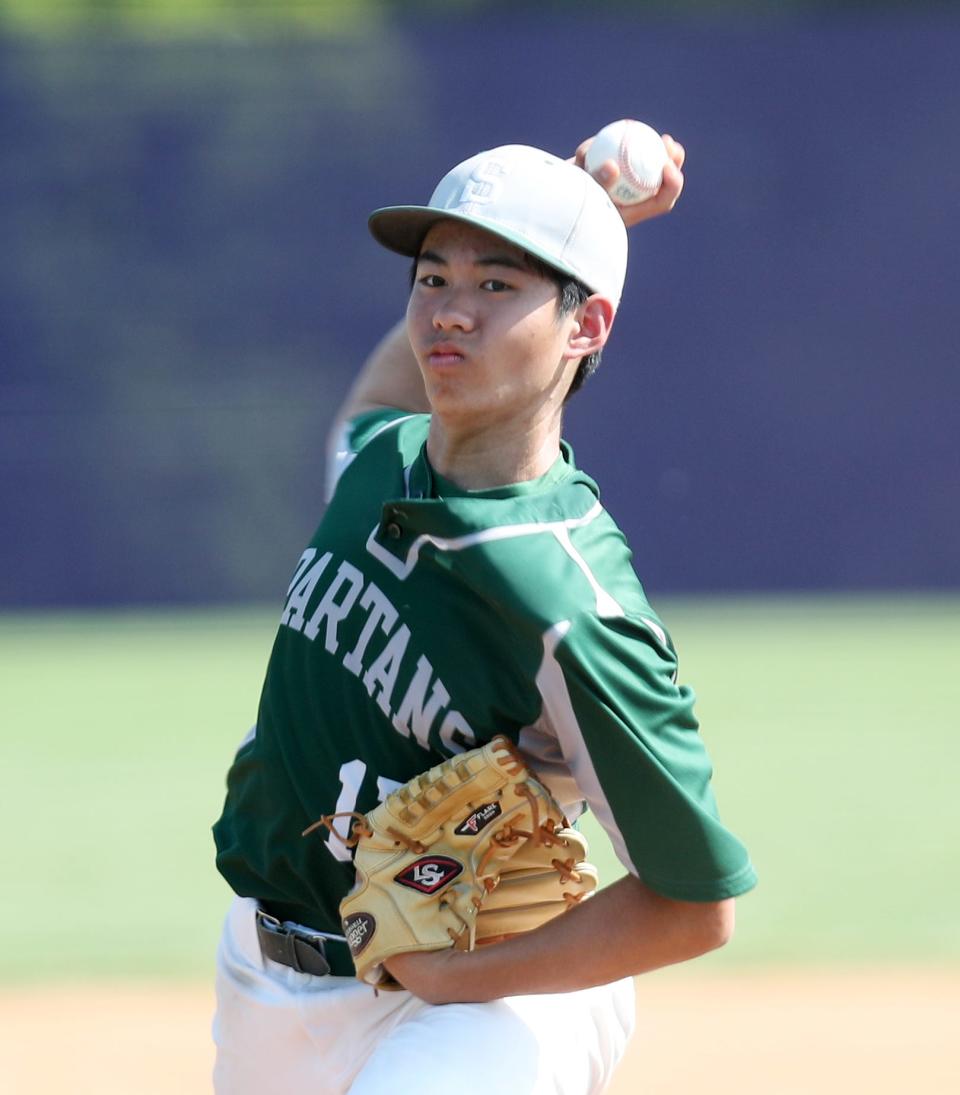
(571, 294)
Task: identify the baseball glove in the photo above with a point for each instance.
(471, 851)
(541, 881)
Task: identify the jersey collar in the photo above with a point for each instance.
(422, 482)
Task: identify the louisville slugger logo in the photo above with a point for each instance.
(358, 929)
(478, 820)
(429, 874)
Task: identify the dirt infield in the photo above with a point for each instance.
(764, 1033)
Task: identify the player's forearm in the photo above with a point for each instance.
(390, 377)
(623, 931)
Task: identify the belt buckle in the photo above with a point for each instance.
(290, 931)
(316, 941)
(268, 921)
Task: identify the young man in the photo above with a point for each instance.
(465, 581)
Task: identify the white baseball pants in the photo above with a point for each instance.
(277, 1030)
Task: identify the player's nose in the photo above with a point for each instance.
(453, 312)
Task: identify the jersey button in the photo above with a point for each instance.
(394, 531)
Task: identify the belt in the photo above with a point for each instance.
(300, 948)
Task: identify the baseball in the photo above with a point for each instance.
(640, 154)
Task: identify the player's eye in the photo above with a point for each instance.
(431, 281)
(494, 285)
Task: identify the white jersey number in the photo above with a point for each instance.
(351, 779)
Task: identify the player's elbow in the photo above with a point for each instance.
(715, 924)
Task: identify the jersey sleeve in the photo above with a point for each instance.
(629, 733)
(352, 436)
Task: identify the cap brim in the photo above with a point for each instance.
(402, 228)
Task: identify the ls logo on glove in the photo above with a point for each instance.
(430, 873)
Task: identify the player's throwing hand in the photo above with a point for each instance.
(665, 198)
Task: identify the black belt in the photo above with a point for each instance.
(302, 949)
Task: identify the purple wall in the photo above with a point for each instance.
(187, 285)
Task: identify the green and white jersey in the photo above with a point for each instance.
(421, 621)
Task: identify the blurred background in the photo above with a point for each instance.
(188, 284)
(187, 287)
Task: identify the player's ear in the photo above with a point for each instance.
(592, 328)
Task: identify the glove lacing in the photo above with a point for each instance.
(358, 829)
(540, 833)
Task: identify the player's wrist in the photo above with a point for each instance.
(429, 975)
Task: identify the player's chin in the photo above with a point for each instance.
(449, 395)
(445, 372)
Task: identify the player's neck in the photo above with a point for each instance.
(488, 458)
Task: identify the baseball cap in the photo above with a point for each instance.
(544, 205)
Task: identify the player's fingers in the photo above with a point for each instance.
(607, 173)
(661, 202)
(666, 197)
(580, 156)
(675, 150)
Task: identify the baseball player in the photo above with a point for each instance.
(466, 582)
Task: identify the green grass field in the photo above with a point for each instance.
(833, 724)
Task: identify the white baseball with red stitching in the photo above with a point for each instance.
(639, 152)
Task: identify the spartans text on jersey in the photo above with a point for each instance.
(346, 590)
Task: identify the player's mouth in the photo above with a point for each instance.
(445, 354)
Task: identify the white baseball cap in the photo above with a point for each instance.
(546, 206)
